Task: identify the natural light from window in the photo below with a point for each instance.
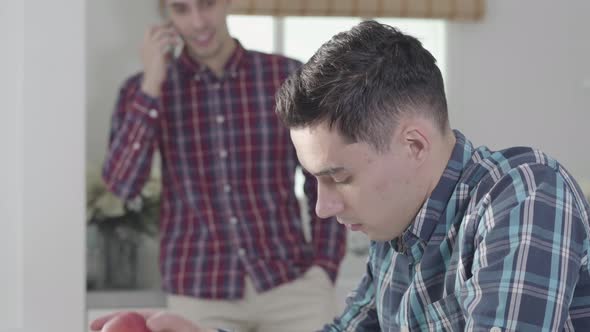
(300, 37)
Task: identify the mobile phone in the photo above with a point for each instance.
(177, 49)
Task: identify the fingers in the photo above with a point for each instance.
(161, 37)
(165, 45)
(167, 322)
(155, 53)
(98, 323)
(156, 32)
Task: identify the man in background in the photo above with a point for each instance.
(232, 247)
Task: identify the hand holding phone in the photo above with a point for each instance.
(157, 49)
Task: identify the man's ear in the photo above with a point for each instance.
(416, 142)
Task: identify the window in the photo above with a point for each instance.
(254, 32)
(300, 37)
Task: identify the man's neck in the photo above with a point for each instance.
(445, 154)
(217, 63)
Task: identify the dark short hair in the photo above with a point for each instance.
(361, 81)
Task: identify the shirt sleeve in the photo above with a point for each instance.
(529, 247)
(328, 236)
(360, 314)
(132, 141)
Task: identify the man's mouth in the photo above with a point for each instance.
(203, 39)
(349, 225)
(354, 227)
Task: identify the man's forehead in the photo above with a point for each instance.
(317, 131)
(312, 140)
(309, 145)
(320, 150)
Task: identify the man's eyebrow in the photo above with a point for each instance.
(176, 4)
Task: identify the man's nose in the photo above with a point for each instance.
(198, 19)
(329, 203)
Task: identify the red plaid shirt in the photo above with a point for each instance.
(228, 208)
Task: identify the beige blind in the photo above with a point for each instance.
(448, 9)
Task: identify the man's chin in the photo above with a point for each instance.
(204, 54)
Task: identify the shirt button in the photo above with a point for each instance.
(242, 252)
(234, 74)
(495, 329)
(227, 188)
(216, 86)
(136, 146)
(153, 113)
(220, 119)
(233, 220)
(223, 154)
(197, 77)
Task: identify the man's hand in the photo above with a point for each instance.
(158, 43)
(157, 321)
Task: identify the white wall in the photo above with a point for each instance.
(114, 31)
(11, 67)
(42, 144)
(522, 77)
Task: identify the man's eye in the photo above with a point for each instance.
(207, 3)
(178, 9)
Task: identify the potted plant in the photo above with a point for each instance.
(115, 229)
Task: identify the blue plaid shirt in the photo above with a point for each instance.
(500, 245)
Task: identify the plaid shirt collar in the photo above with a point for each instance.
(191, 67)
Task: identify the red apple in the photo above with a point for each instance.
(126, 322)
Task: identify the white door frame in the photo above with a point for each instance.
(42, 139)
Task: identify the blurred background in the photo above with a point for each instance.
(516, 73)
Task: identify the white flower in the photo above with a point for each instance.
(100, 203)
(135, 204)
(152, 188)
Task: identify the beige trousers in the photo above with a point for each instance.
(303, 305)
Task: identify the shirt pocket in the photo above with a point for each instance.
(444, 315)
